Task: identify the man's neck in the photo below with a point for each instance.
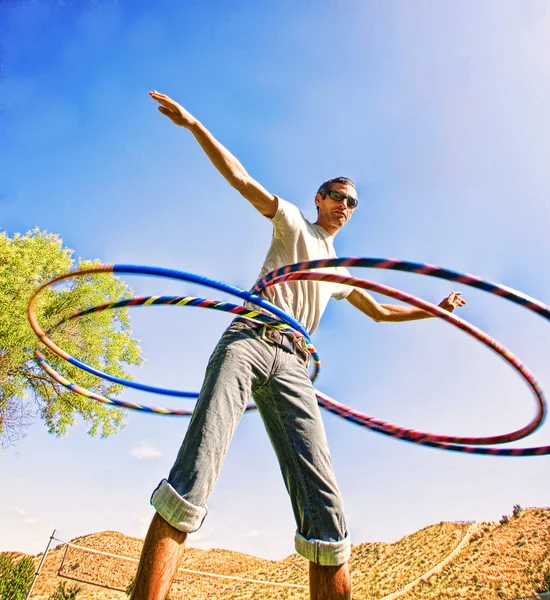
(331, 230)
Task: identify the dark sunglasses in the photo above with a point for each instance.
(338, 196)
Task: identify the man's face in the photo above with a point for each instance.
(335, 213)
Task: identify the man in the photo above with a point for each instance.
(254, 360)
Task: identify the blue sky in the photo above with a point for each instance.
(437, 109)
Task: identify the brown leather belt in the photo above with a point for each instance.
(284, 340)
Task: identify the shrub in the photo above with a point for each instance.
(63, 593)
(516, 510)
(15, 577)
(545, 587)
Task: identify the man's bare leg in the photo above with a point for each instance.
(329, 583)
(159, 561)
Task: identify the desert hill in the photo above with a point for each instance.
(485, 561)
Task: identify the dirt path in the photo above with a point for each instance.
(439, 567)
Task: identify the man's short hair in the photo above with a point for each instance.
(325, 187)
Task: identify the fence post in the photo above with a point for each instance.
(40, 566)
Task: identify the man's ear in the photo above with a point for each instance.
(318, 199)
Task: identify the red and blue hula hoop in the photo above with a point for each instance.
(298, 271)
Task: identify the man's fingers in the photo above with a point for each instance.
(459, 300)
(162, 99)
(166, 111)
(455, 298)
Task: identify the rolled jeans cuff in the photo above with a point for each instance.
(326, 554)
(180, 513)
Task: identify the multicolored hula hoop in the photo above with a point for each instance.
(296, 272)
(287, 324)
(159, 301)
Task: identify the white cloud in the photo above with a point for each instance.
(253, 533)
(22, 515)
(145, 450)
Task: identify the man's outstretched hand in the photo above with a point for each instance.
(451, 302)
(174, 111)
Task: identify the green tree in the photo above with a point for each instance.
(15, 577)
(103, 339)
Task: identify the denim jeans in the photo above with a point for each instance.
(245, 363)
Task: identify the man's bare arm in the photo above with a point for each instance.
(221, 158)
(363, 301)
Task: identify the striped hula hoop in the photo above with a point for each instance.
(301, 271)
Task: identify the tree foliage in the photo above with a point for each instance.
(104, 339)
(15, 577)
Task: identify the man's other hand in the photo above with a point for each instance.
(452, 301)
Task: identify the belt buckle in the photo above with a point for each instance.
(265, 333)
(286, 341)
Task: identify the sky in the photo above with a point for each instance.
(438, 111)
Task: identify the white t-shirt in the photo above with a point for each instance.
(295, 239)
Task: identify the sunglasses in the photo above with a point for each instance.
(338, 196)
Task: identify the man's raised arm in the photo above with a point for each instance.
(220, 156)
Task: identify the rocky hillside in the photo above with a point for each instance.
(485, 561)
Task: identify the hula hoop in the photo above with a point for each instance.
(453, 320)
(236, 309)
(285, 322)
(296, 272)
(156, 301)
